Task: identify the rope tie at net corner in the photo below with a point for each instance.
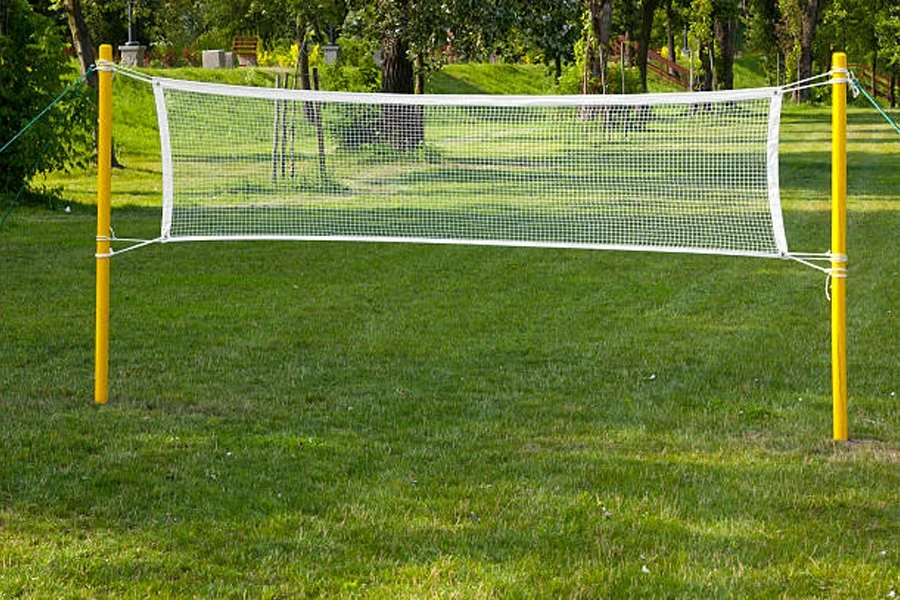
(821, 80)
(857, 88)
(135, 244)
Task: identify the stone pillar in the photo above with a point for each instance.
(213, 59)
(132, 55)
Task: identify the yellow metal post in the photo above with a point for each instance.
(104, 180)
(839, 245)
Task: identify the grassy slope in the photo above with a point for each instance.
(403, 421)
(467, 78)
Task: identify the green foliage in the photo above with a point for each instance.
(33, 72)
(571, 80)
(766, 35)
(355, 71)
(551, 27)
(887, 29)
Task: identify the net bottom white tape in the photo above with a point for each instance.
(673, 172)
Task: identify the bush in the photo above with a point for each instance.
(354, 72)
(165, 55)
(33, 72)
(570, 82)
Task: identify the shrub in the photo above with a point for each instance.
(33, 72)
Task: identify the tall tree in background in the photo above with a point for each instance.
(407, 30)
(804, 16)
(868, 31)
(397, 74)
(84, 48)
(81, 38)
(702, 24)
(765, 35)
(725, 20)
(402, 126)
(597, 31)
(888, 31)
(713, 26)
(320, 20)
(549, 26)
(648, 11)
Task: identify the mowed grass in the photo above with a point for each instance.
(406, 421)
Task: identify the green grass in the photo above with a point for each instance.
(502, 78)
(402, 421)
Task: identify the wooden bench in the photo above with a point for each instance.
(244, 48)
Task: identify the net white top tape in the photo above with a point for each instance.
(468, 99)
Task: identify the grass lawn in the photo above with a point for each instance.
(403, 421)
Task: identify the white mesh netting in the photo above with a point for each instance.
(667, 172)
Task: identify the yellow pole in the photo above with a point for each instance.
(104, 180)
(839, 245)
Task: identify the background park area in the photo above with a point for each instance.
(352, 420)
(347, 420)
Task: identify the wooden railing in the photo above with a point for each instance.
(878, 85)
(244, 48)
(668, 69)
(657, 64)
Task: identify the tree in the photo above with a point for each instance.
(32, 74)
(802, 19)
(402, 126)
(888, 31)
(713, 24)
(84, 48)
(701, 30)
(765, 34)
(809, 20)
(869, 31)
(322, 19)
(597, 31)
(648, 10)
(549, 27)
(725, 25)
(397, 75)
(81, 38)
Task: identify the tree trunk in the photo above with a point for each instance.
(725, 39)
(402, 126)
(597, 46)
(648, 10)
(302, 66)
(708, 83)
(893, 89)
(84, 48)
(875, 72)
(81, 39)
(419, 75)
(396, 68)
(809, 19)
(670, 36)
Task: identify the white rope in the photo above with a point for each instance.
(810, 260)
(830, 272)
(135, 244)
(822, 79)
(104, 65)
